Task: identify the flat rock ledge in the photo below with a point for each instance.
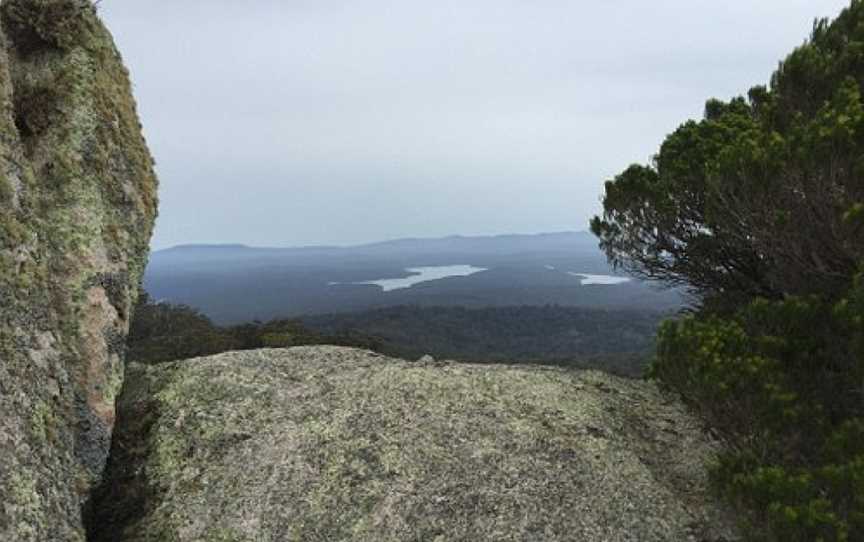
(330, 444)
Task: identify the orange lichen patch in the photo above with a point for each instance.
(99, 364)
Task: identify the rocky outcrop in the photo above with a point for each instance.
(77, 203)
(329, 444)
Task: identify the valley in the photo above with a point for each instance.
(233, 284)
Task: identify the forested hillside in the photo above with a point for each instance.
(162, 332)
(759, 209)
(619, 342)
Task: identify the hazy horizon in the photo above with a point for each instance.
(332, 123)
(378, 241)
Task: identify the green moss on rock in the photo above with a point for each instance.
(64, 24)
(6, 192)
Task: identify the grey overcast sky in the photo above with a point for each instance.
(300, 122)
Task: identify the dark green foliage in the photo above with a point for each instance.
(669, 221)
(759, 209)
(784, 381)
(162, 332)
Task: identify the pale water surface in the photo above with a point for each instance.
(588, 279)
(423, 274)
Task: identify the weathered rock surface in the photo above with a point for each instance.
(329, 444)
(77, 203)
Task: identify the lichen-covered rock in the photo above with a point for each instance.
(77, 203)
(330, 444)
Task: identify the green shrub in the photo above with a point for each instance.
(784, 383)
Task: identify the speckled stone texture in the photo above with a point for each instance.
(330, 444)
(77, 204)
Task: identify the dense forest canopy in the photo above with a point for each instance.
(162, 332)
(758, 208)
(616, 341)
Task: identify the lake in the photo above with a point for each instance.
(423, 274)
(588, 279)
(426, 274)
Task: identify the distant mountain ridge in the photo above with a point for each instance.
(403, 242)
